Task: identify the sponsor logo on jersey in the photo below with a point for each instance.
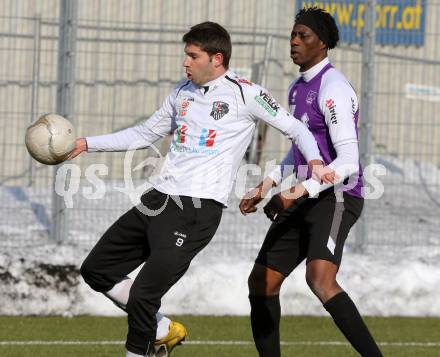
(311, 96)
(185, 105)
(219, 110)
(193, 150)
(353, 106)
(180, 133)
(245, 81)
(206, 142)
(207, 137)
(268, 103)
(330, 104)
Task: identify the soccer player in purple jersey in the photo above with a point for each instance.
(313, 222)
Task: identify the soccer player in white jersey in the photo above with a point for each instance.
(212, 116)
(312, 229)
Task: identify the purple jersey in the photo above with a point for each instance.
(327, 104)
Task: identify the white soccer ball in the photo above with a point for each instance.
(50, 139)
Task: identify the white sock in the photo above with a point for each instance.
(163, 326)
(131, 354)
(120, 292)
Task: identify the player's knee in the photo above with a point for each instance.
(263, 281)
(321, 285)
(86, 272)
(314, 283)
(91, 277)
(253, 282)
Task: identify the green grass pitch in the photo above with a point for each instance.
(303, 336)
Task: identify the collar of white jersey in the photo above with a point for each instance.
(212, 84)
(312, 72)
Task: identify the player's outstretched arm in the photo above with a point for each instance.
(80, 146)
(285, 199)
(264, 107)
(321, 175)
(140, 136)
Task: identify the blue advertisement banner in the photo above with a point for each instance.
(398, 22)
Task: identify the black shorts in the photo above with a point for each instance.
(166, 240)
(161, 230)
(313, 228)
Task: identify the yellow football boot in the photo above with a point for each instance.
(177, 333)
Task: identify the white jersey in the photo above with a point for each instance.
(212, 127)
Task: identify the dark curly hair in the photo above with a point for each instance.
(321, 22)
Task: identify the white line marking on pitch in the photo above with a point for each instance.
(230, 343)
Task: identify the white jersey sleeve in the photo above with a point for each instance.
(278, 173)
(264, 107)
(345, 165)
(338, 102)
(139, 136)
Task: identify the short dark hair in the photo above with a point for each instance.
(212, 38)
(321, 22)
